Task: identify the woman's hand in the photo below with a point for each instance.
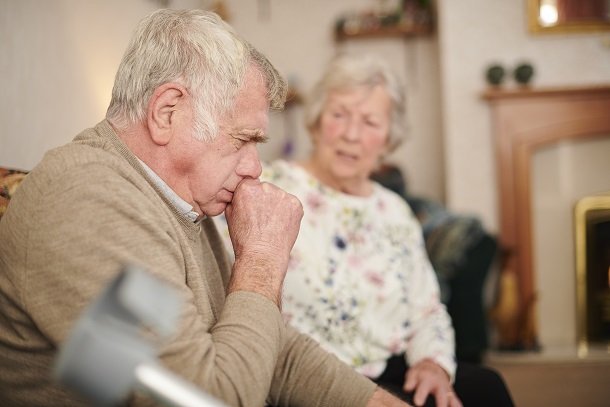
(427, 377)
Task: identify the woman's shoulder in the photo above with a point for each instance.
(275, 168)
(283, 173)
(390, 202)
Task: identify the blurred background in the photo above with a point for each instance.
(58, 59)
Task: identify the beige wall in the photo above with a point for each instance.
(58, 63)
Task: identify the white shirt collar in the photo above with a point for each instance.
(183, 207)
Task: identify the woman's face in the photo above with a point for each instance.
(351, 136)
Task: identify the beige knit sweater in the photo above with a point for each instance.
(88, 208)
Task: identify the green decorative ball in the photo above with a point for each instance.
(524, 73)
(495, 74)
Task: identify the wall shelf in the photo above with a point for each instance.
(397, 31)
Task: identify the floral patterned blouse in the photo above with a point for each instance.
(359, 279)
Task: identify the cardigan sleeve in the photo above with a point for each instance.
(431, 333)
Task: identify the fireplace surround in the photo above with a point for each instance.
(523, 121)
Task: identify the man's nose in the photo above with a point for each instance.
(250, 164)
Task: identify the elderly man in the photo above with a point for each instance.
(178, 145)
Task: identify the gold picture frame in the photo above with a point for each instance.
(534, 9)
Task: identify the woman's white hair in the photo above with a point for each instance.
(198, 50)
(348, 71)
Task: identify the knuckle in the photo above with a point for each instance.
(294, 201)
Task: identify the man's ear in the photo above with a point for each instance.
(161, 118)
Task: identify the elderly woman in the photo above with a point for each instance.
(359, 280)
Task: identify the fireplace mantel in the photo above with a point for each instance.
(523, 120)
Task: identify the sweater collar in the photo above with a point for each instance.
(183, 207)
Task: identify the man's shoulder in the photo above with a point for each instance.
(92, 154)
(81, 169)
(88, 147)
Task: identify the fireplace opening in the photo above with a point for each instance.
(592, 221)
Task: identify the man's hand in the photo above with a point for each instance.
(427, 377)
(382, 398)
(263, 223)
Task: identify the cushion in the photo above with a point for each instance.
(9, 181)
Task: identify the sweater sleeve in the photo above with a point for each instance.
(309, 376)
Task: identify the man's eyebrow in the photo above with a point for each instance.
(255, 135)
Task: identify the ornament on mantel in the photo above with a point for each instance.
(495, 74)
(523, 73)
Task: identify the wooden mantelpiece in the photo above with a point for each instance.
(527, 92)
(524, 120)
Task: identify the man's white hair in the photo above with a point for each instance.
(196, 49)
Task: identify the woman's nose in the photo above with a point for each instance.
(352, 130)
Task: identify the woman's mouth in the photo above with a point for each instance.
(346, 155)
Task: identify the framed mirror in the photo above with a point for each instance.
(568, 16)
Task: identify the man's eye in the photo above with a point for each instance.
(238, 142)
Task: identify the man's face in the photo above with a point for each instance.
(214, 169)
